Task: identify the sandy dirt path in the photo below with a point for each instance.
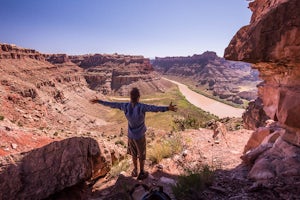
(215, 107)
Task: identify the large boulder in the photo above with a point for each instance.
(47, 170)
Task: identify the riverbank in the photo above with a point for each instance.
(210, 105)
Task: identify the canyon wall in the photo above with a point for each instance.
(10, 51)
(106, 73)
(227, 79)
(109, 74)
(45, 98)
(272, 42)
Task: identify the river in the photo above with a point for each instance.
(210, 105)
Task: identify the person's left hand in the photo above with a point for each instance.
(93, 101)
(172, 107)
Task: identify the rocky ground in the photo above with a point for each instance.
(230, 178)
(199, 148)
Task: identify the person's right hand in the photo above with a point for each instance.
(93, 101)
(172, 107)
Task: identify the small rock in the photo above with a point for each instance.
(14, 146)
(185, 153)
(176, 157)
(123, 173)
(7, 128)
(160, 167)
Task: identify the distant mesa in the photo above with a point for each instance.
(228, 80)
(106, 73)
(11, 51)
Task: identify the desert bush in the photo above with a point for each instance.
(191, 184)
(117, 168)
(188, 122)
(159, 151)
(1, 118)
(120, 142)
(165, 148)
(20, 124)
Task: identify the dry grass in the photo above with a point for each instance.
(164, 120)
(116, 169)
(165, 148)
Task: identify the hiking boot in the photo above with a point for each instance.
(143, 175)
(134, 173)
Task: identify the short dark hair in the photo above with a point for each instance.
(134, 95)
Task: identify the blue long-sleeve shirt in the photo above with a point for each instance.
(135, 116)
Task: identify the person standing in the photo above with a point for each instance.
(135, 115)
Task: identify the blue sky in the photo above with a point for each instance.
(137, 27)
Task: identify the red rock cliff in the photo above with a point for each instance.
(10, 51)
(272, 43)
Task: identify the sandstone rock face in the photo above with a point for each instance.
(255, 116)
(256, 138)
(222, 78)
(279, 161)
(274, 46)
(272, 35)
(112, 73)
(106, 73)
(272, 42)
(9, 51)
(109, 73)
(41, 172)
(57, 58)
(52, 91)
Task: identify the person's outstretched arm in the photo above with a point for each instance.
(153, 108)
(109, 104)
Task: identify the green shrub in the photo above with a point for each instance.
(188, 122)
(1, 118)
(193, 183)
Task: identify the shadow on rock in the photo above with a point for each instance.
(39, 173)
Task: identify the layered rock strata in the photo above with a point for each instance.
(106, 73)
(272, 43)
(220, 77)
(109, 73)
(10, 51)
(255, 116)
